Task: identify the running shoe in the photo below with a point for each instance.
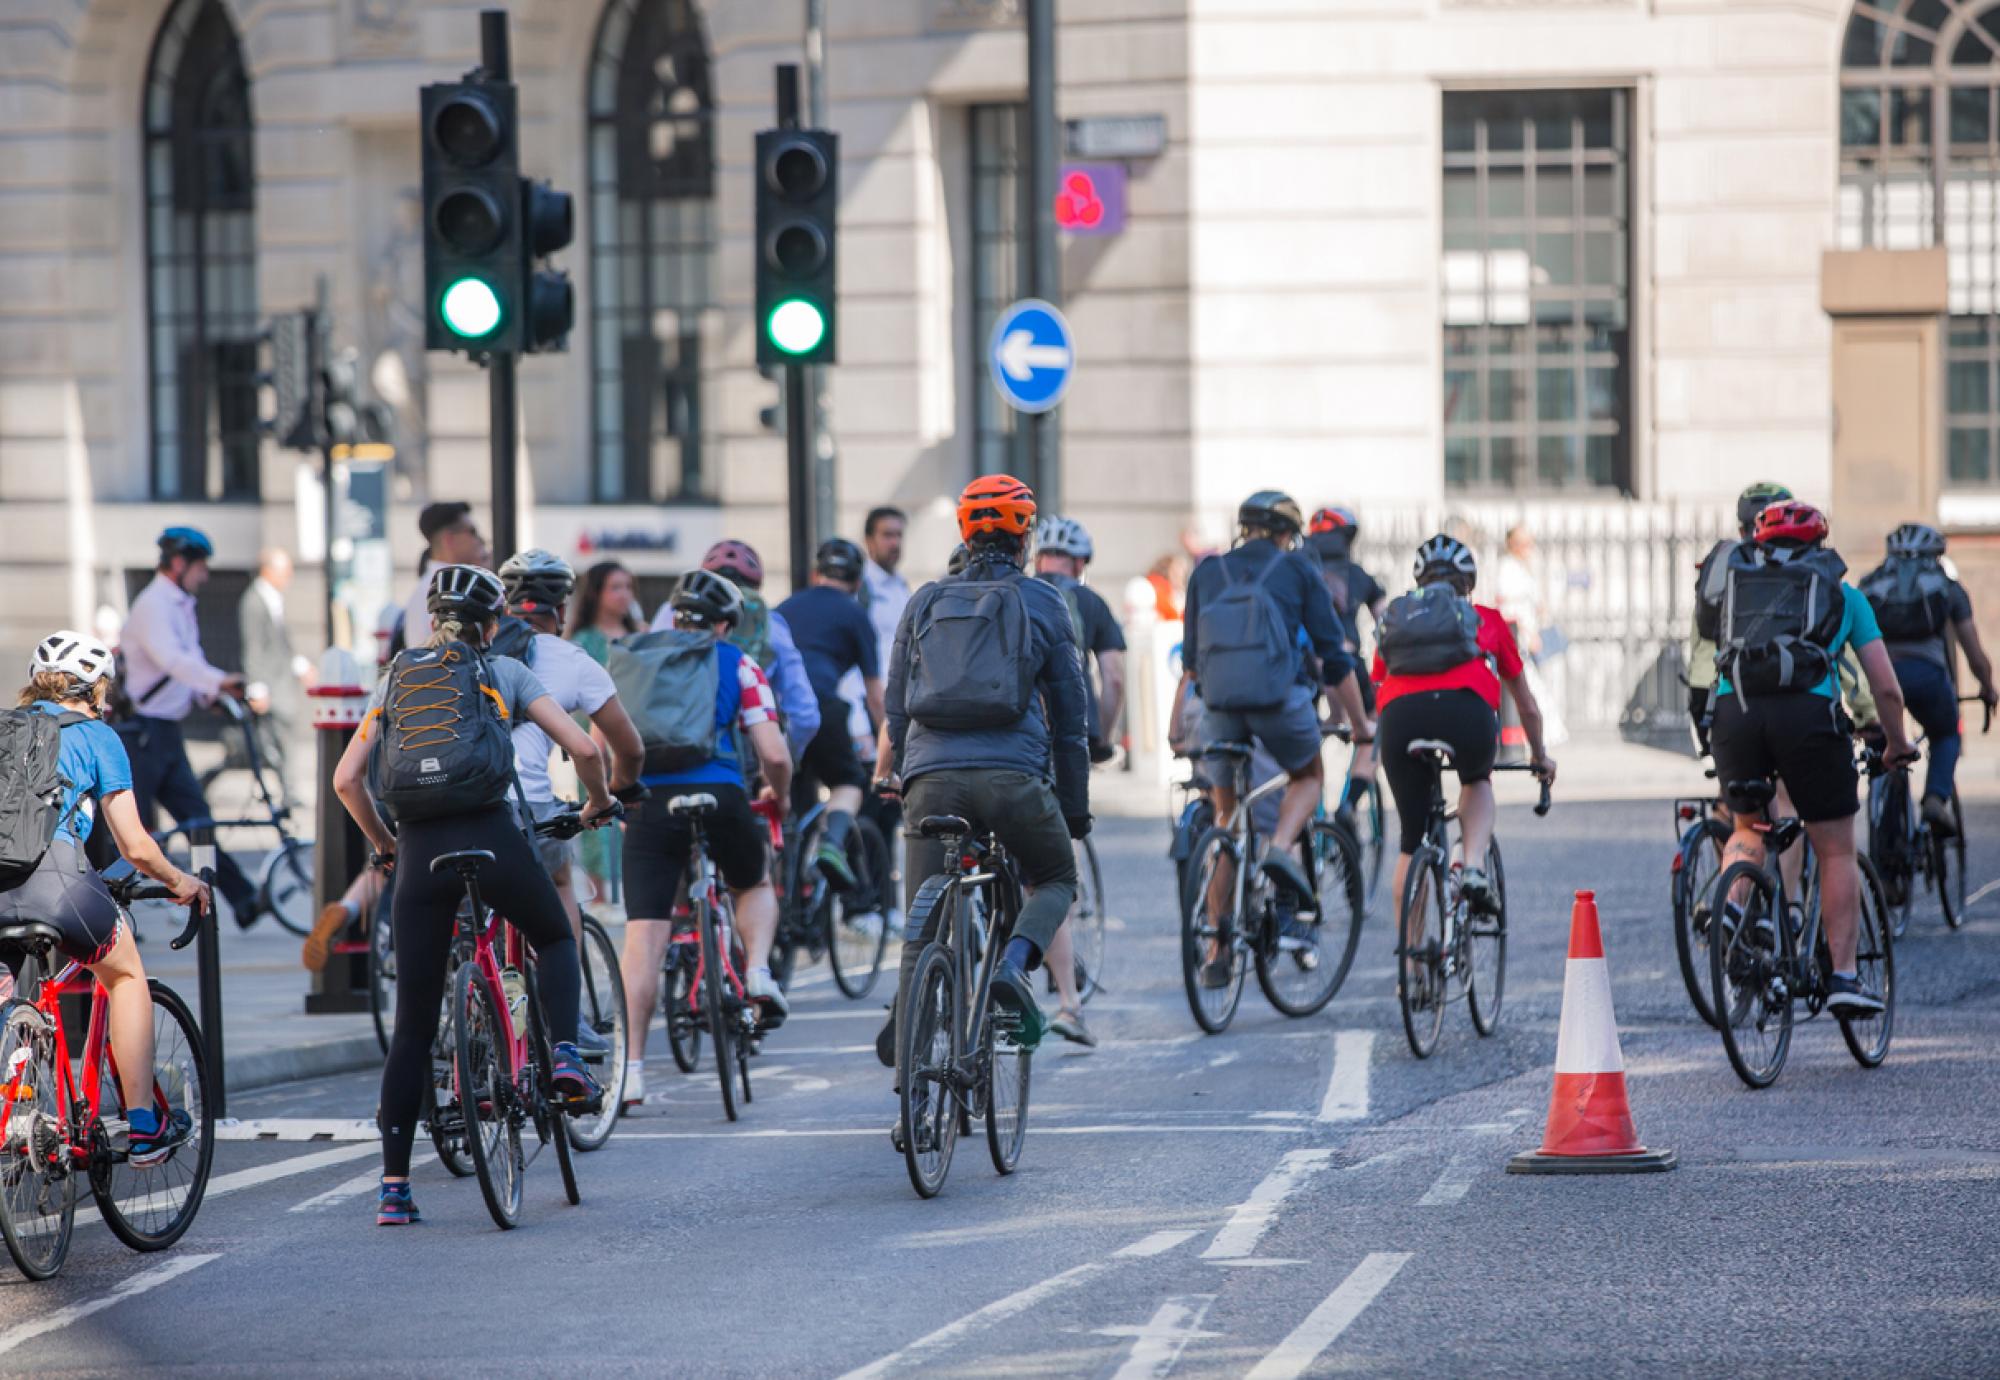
(1069, 1024)
(1937, 814)
(396, 1208)
(573, 1083)
(148, 1143)
(831, 860)
(1012, 992)
(1849, 1000)
(319, 944)
(762, 988)
(635, 1086)
(594, 1048)
(1281, 867)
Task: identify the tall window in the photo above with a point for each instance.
(652, 262)
(201, 258)
(1001, 219)
(1537, 301)
(1920, 166)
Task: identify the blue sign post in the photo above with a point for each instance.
(1031, 356)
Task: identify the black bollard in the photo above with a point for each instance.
(208, 953)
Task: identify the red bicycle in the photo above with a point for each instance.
(54, 1131)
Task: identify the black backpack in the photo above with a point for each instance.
(1246, 655)
(514, 637)
(1782, 609)
(1709, 589)
(971, 662)
(445, 746)
(31, 788)
(1428, 631)
(1335, 567)
(1911, 596)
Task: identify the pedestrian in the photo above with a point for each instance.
(1168, 578)
(278, 675)
(451, 537)
(884, 593)
(166, 674)
(606, 610)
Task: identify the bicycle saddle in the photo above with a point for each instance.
(1755, 794)
(942, 826)
(31, 935)
(464, 860)
(701, 804)
(1421, 747)
(1228, 749)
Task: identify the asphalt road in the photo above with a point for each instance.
(1292, 1197)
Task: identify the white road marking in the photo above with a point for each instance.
(138, 1284)
(1159, 1243)
(781, 1133)
(1253, 1216)
(264, 1174)
(353, 1188)
(1453, 1182)
(1324, 1324)
(1157, 1346)
(933, 1344)
(296, 1128)
(1347, 1090)
(1982, 893)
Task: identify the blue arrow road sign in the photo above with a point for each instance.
(1031, 356)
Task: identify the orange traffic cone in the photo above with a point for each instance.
(1590, 1122)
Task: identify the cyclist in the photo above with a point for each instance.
(1707, 622)
(451, 537)
(767, 637)
(69, 679)
(987, 722)
(657, 842)
(1331, 537)
(834, 636)
(464, 604)
(538, 587)
(1777, 710)
(1920, 608)
(1440, 661)
(1255, 616)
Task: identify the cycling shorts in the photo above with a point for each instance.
(1289, 732)
(1799, 738)
(657, 845)
(1462, 718)
(830, 758)
(66, 892)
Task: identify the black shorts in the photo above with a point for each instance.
(830, 758)
(1459, 717)
(1797, 737)
(66, 892)
(657, 844)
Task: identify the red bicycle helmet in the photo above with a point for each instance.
(996, 504)
(737, 560)
(1791, 523)
(1332, 520)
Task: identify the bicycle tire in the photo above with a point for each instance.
(492, 1137)
(683, 1029)
(446, 1132)
(1487, 934)
(174, 1188)
(1372, 839)
(854, 955)
(29, 1200)
(537, 1084)
(1694, 902)
(285, 887)
(928, 1041)
(1334, 865)
(1213, 1007)
(1875, 951)
(1006, 1070)
(382, 977)
(1948, 858)
(1422, 1003)
(604, 1010)
(1088, 921)
(1741, 979)
(714, 1008)
(1890, 848)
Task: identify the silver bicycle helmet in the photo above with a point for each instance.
(1064, 537)
(536, 579)
(465, 591)
(1446, 558)
(1916, 539)
(704, 597)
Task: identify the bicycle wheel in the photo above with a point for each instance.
(486, 1096)
(148, 1208)
(684, 1025)
(1004, 1068)
(1420, 982)
(286, 886)
(1948, 866)
(1372, 839)
(382, 977)
(1486, 951)
(1896, 857)
(1695, 870)
(537, 1087)
(1868, 1041)
(1301, 981)
(442, 1118)
(1205, 925)
(925, 1058)
(856, 939)
(37, 1191)
(1748, 954)
(715, 1009)
(1087, 921)
(604, 1012)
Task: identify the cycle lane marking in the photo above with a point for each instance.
(140, 1283)
(1251, 1218)
(1465, 1163)
(1157, 1346)
(1334, 1315)
(261, 1174)
(1347, 1087)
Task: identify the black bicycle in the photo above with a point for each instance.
(817, 918)
(1697, 863)
(1907, 850)
(957, 1056)
(1461, 948)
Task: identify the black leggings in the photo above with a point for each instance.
(1458, 717)
(424, 905)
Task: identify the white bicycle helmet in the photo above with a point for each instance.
(74, 654)
(1446, 558)
(1064, 537)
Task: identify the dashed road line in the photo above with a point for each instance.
(138, 1284)
(1323, 1326)
(297, 1128)
(353, 1188)
(1347, 1089)
(1252, 1217)
(1158, 1243)
(1157, 1346)
(934, 1344)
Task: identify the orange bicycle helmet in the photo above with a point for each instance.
(1792, 523)
(996, 505)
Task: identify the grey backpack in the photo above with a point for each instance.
(1428, 631)
(668, 681)
(1782, 612)
(30, 788)
(1911, 597)
(1246, 657)
(445, 745)
(970, 654)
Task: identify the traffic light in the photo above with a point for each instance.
(549, 217)
(292, 369)
(797, 197)
(475, 253)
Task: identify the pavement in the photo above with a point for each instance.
(1288, 1198)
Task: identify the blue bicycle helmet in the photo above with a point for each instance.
(186, 541)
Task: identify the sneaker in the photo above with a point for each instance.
(1477, 889)
(1013, 993)
(1847, 999)
(1300, 939)
(396, 1207)
(885, 1043)
(1281, 867)
(868, 925)
(1069, 1025)
(833, 865)
(762, 988)
(635, 1086)
(594, 1048)
(1937, 814)
(896, 922)
(319, 944)
(148, 1143)
(1215, 973)
(573, 1083)
(924, 1134)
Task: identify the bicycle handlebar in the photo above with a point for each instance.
(126, 890)
(1543, 805)
(1986, 727)
(569, 823)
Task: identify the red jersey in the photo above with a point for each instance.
(1496, 640)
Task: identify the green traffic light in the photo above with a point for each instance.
(471, 308)
(796, 326)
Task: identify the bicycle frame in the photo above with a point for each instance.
(1243, 829)
(1804, 955)
(474, 941)
(81, 1105)
(975, 975)
(704, 888)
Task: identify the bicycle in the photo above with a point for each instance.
(1088, 921)
(681, 967)
(1371, 836)
(956, 1055)
(1758, 970)
(1697, 863)
(53, 1129)
(813, 913)
(1229, 909)
(1470, 948)
(1905, 848)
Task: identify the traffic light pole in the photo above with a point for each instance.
(1044, 429)
(498, 65)
(799, 489)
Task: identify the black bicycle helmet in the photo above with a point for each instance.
(465, 592)
(1272, 510)
(703, 598)
(1916, 539)
(1755, 500)
(536, 580)
(1446, 558)
(191, 542)
(838, 559)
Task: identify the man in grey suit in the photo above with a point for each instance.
(278, 676)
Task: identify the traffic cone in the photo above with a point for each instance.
(1590, 1127)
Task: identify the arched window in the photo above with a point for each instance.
(652, 252)
(1920, 166)
(201, 258)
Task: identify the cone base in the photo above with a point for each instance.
(1640, 1161)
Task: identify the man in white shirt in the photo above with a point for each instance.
(884, 595)
(451, 537)
(165, 675)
